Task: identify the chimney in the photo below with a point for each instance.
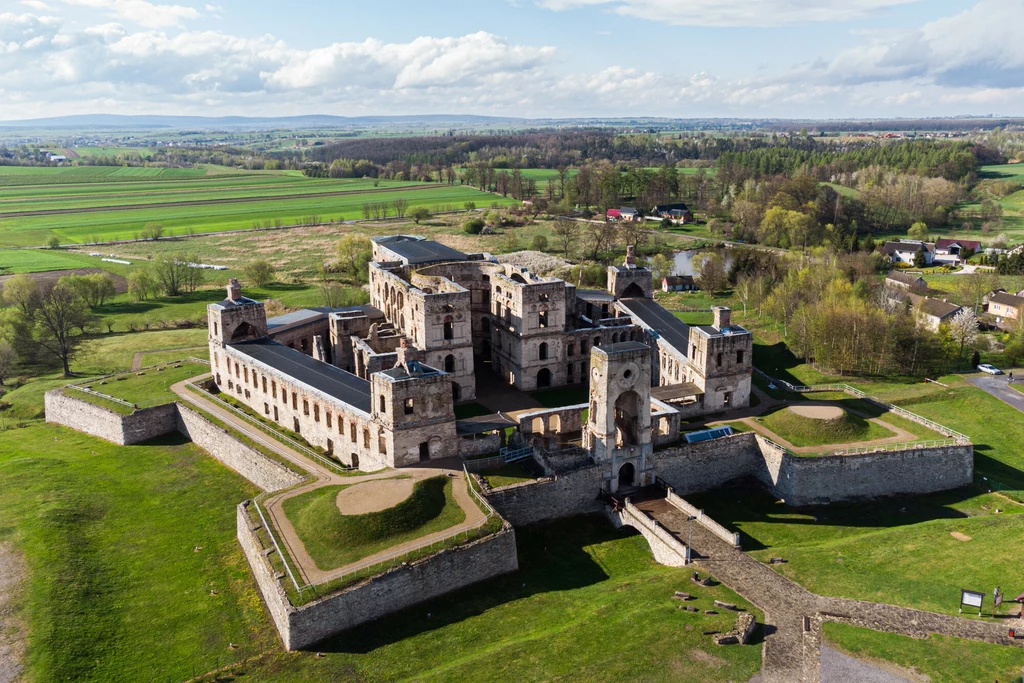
(631, 255)
(234, 290)
(723, 317)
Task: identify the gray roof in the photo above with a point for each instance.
(324, 377)
(624, 347)
(594, 295)
(938, 308)
(1007, 299)
(416, 250)
(905, 278)
(231, 303)
(670, 328)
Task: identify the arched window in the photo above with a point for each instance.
(449, 363)
(449, 328)
(543, 378)
(570, 350)
(542, 352)
(383, 405)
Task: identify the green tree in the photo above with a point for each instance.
(61, 311)
(21, 291)
(919, 259)
(419, 213)
(176, 274)
(53, 242)
(141, 284)
(918, 231)
(259, 272)
(710, 271)
(539, 243)
(8, 358)
(473, 226)
(152, 231)
(661, 267)
(94, 288)
(354, 253)
(568, 233)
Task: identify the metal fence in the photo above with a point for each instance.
(103, 396)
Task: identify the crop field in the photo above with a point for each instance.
(86, 204)
(40, 261)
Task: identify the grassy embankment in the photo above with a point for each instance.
(147, 388)
(804, 431)
(334, 540)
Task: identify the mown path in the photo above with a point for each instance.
(320, 477)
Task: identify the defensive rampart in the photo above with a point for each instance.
(124, 430)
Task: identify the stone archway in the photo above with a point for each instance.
(627, 415)
(543, 378)
(633, 291)
(627, 475)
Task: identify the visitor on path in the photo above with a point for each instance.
(1010, 381)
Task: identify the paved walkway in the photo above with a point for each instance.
(791, 646)
(320, 477)
(998, 386)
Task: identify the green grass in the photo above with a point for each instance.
(556, 398)
(39, 260)
(569, 613)
(334, 540)
(737, 426)
(149, 389)
(805, 431)
(506, 475)
(116, 590)
(111, 203)
(941, 659)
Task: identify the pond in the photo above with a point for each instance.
(684, 259)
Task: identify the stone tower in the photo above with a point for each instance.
(236, 318)
(619, 424)
(720, 359)
(630, 281)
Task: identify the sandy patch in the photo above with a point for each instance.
(374, 496)
(12, 632)
(707, 659)
(959, 536)
(818, 412)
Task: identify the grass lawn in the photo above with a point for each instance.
(556, 398)
(571, 612)
(334, 540)
(737, 426)
(134, 570)
(805, 431)
(149, 389)
(506, 475)
(941, 659)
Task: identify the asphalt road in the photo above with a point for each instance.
(998, 387)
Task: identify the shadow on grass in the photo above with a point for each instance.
(1000, 475)
(746, 503)
(552, 557)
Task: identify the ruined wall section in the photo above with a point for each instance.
(124, 430)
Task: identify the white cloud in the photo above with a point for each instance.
(759, 13)
(141, 12)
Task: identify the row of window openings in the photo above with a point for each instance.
(718, 358)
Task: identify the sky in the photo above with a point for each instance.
(525, 58)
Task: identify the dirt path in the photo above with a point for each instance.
(12, 631)
(321, 476)
(229, 200)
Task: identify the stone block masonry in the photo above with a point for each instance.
(375, 597)
(564, 495)
(124, 430)
(262, 471)
(171, 418)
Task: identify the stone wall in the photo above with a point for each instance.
(373, 598)
(690, 468)
(826, 479)
(124, 430)
(262, 471)
(664, 547)
(564, 495)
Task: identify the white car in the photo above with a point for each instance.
(990, 369)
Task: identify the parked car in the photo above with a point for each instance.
(990, 369)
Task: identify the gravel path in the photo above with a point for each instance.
(839, 668)
(12, 634)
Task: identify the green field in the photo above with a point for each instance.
(79, 204)
(41, 260)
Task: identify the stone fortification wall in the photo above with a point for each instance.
(690, 468)
(373, 598)
(664, 547)
(711, 525)
(825, 479)
(248, 462)
(124, 430)
(470, 447)
(564, 495)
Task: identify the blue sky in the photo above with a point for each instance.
(536, 58)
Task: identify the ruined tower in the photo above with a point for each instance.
(720, 360)
(619, 424)
(630, 281)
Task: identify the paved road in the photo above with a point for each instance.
(998, 387)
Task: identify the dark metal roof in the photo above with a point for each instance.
(670, 328)
(231, 303)
(324, 377)
(417, 251)
(594, 295)
(484, 424)
(623, 347)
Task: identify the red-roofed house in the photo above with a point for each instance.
(950, 250)
(613, 214)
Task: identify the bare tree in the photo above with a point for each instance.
(963, 329)
(711, 274)
(61, 311)
(568, 231)
(401, 206)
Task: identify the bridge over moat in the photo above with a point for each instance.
(793, 615)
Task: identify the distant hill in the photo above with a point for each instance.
(209, 122)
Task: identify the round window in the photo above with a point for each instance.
(627, 374)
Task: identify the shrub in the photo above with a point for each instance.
(473, 226)
(539, 243)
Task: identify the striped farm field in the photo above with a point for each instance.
(87, 204)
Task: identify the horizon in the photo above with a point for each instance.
(547, 59)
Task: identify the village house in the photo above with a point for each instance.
(613, 215)
(933, 312)
(953, 251)
(906, 281)
(678, 212)
(904, 251)
(678, 283)
(1006, 308)
(629, 214)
